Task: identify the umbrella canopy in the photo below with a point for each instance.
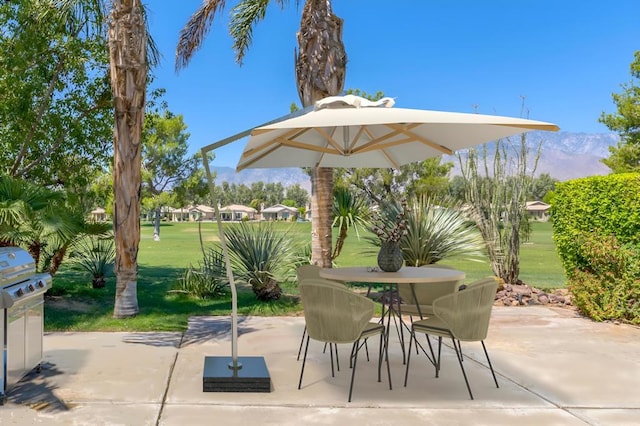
(347, 131)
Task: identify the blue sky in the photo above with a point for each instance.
(566, 57)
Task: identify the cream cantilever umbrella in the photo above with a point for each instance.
(349, 131)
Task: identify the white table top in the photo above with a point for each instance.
(406, 274)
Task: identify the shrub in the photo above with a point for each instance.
(432, 233)
(208, 279)
(608, 205)
(607, 286)
(260, 256)
(596, 229)
(96, 256)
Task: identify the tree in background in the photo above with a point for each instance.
(194, 189)
(298, 194)
(625, 156)
(541, 186)
(55, 101)
(165, 161)
(426, 178)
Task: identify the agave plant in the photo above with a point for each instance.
(259, 254)
(435, 232)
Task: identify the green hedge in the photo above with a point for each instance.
(596, 229)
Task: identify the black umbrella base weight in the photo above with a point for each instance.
(253, 376)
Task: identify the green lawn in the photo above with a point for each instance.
(75, 306)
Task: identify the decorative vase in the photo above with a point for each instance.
(390, 257)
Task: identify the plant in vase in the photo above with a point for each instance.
(390, 226)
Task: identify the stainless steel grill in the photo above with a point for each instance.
(21, 315)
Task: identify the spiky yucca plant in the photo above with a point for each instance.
(259, 254)
(435, 232)
(96, 256)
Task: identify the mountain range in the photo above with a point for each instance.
(564, 156)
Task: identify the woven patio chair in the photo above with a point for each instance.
(463, 316)
(338, 315)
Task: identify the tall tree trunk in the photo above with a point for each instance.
(128, 67)
(156, 225)
(320, 72)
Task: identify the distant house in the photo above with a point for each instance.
(191, 213)
(180, 214)
(237, 212)
(538, 210)
(201, 212)
(99, 215)
(279, 212)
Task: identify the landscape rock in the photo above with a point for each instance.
(523, 295)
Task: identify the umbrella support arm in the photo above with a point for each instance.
(234, 364)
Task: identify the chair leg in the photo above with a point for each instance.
(355, 361)
(460, 349)
(437, 365)
(464, 374)
(489, 361)
(304, 333)
(335, 349)
(406, 371)
(331, 356)
(380, 357)
(304, 360)
(386, 357)
(366, 349)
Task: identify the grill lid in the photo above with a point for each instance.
(15, 265)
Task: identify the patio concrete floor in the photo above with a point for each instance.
(554, 368)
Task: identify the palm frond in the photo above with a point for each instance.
(194, 32)
(244, 16)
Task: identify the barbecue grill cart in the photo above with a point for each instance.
(21, 316)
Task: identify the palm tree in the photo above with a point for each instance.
(320, 72)
(29, 215)
(41, 221)
(129, 67)
(349, 211)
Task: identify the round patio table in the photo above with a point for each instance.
(411, 275)
(406, 275)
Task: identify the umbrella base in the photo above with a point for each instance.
(252, 377)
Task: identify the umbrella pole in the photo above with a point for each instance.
(234, 364)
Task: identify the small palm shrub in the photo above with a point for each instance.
(260, 256)
(208, 279)
(95, 255)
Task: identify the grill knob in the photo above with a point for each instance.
(31, 287)
(40, 284)
(19, 292)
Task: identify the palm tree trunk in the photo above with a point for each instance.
(128, 67)
(321, 208)
(320, 72)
